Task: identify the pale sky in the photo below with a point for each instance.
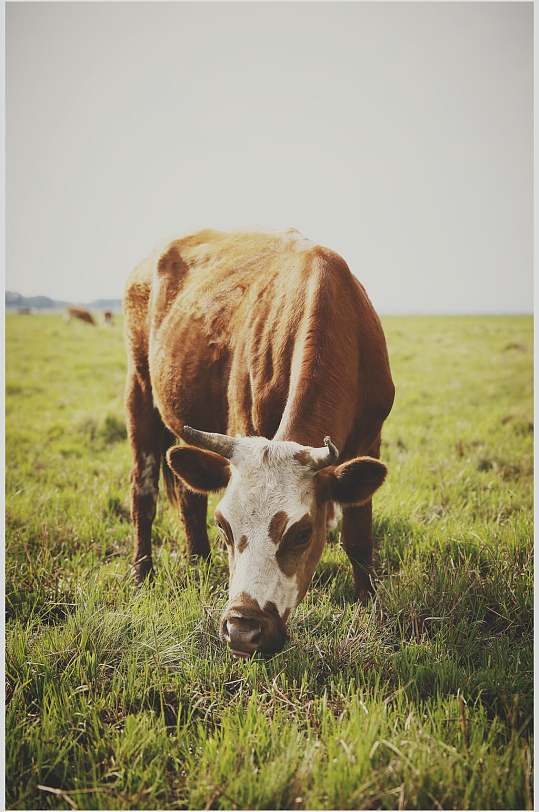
(398, 134)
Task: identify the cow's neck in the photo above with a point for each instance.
(317, 404)
(309, 424)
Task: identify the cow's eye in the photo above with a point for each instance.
(294, 544)
(298, 535)
(299, 540)
(302, 538)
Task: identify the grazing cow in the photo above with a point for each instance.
(25, 311)
(79, 313)
(108, 318)
(271, 348)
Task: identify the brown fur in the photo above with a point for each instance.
(81, 314)
(243, 544)
(294, 543)
(303, 457)
(225, 527)
(277, 525)
(352, 483)
(203, 471)
(253, 334)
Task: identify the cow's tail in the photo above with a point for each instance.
(171, 483)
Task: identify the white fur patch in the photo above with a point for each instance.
(146, 485)
(257, 573)
(336, 518)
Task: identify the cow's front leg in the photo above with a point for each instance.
(356, 537)
(145, 430)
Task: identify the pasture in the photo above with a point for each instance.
(126, 699)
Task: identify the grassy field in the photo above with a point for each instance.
(118, 698)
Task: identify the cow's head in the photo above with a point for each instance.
(273, 519)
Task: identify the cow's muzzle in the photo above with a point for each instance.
(243, 635)
(249, 631)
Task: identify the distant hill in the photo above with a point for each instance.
(16, 300)
(105, 304)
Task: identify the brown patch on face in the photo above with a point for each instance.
(243, 544)
(225, 527)
(277, 526)
(270, 607)
(295, 542)
(274, 632)
(303, 457)
(244, 601)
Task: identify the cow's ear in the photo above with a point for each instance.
(201, 471)
(351, 483)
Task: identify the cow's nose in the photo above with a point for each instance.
(243, 634)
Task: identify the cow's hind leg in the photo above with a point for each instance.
(357, 540)
(193, 509)
(145, 430)
(356, 537)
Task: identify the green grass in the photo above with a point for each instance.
(118, 698)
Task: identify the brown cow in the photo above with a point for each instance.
(79, 313)
(270, 345)
(108, 318)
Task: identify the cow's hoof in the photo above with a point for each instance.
(364, 591)
(143, 571)
(363, 596)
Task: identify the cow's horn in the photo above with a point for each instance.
(328, 455)
(220, 443)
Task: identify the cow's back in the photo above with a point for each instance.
(245, 332)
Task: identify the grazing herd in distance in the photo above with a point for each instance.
(102, 309)
(82, 314)
(77, 313)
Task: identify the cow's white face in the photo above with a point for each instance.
(268, 493)
(273, 519)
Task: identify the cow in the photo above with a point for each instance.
(261, 354)
(79, 313)
(108, 318)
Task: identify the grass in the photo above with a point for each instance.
(120, 699)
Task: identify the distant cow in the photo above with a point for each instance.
(271, 347)
(108, 318)
(25, 311)
(79, 313)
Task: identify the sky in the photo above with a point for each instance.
(398, 134)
